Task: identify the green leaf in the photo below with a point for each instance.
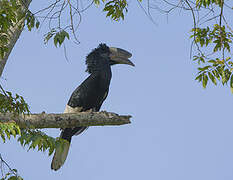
(203, 68)
(13, 178)
(13, 132)
(231, 83)
(199, 77)
(55, 40)
(232, 90)
(205, 80)
(223, 75)
(228, 75)
(7, 133)
(66, 34)
(3, 137)
(212, 78)
(97, 2)
(37, 24)
(35, 141)
(227, 46)
(49, 35)
(198, 3)
(202, 42)
(36, 138)
(212, 61)
(15, 170)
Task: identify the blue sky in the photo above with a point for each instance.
(179, 131)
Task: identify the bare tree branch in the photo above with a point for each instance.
(44, 120)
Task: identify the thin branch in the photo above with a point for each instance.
(44, 9)
(4, 163)
(195, 26)
(221, 14)
(44, 120)
(87, 7)
(220, 26)
(227, 24)
(210, 19)
(146, 13)
(64, 4)
(52, 8)
(72, 22)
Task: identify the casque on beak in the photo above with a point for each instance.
(120, 56)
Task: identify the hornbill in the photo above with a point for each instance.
(90, 95)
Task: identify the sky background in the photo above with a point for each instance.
(179, 130)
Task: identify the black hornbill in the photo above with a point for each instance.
(92, 92)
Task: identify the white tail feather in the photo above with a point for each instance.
(60, 156)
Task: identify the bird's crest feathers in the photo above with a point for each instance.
(97, 58)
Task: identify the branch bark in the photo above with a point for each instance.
(65, 120)
(14, 33)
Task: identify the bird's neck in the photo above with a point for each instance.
(106, 73)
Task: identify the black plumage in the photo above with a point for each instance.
(92, 92)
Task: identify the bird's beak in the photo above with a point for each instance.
(120, 56)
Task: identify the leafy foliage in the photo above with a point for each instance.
(12, 175)
(37, 139)
(14, 104)
(31, 21)
(216, 65)
(31, 138)
(218, 36)
(59, 36)
(116, 9)
(11, 14)
(8, 16)
(206, 3)
(8, 130)
(216, 70)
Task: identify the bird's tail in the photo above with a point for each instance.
(60, 154)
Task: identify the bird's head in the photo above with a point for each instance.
(103, 56)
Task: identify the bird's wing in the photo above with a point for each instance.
(89, 95)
